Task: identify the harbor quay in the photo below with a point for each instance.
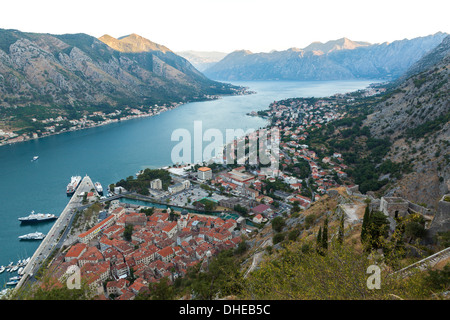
(52, 238)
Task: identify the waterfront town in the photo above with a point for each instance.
(208, 208)
(41, 126)
(50, 126)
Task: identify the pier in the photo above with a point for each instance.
(52, 239)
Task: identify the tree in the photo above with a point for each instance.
(309, 220)
(278, 224)
(365, 222)
(148, 212)
(325, 234)
(128, 232)
(415, 226)
(220, 277)
(319, 238)
(241, 248)
(340, 238)
(162, 290)
(376, 230)
(278, 238)
(293, 234)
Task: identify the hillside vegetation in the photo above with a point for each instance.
(74, 74)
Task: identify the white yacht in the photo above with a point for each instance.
(33, 236)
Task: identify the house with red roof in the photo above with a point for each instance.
(75, 251)
(91, 255)
(262, 209)
(139, 286)
(170, 229)
(258, 218)
(117, 287)
(165, 254)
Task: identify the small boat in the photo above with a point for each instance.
(2, 269)
(15, 278)
(12, 283)
(35, 158)
(9, 266)
(4, 292)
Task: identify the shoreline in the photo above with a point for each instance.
(104, 123)
(25, 137)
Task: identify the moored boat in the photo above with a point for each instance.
(99, 188)
(12, 282)
(33, 236)
(37, 217)
(73, 184)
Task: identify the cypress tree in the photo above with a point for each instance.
(319, 238)
(325, 234)
(340, 238)
(365, 223)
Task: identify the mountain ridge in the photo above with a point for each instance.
(70, 74)
(335, 60)
(333, 45)
(415, 113)
(132, 43)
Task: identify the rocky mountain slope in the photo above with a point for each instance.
(335, 60)
(415, 116)
(76, 72)
(132, 43)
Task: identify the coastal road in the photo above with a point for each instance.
(51, 240)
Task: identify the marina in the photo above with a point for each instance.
(12, 267)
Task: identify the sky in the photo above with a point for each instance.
(228, 25)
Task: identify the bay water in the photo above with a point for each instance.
(118, 150)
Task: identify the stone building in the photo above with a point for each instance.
(156, 184)
(394, 207)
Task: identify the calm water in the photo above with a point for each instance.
(110, 153)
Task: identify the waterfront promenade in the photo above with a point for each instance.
(50, 242)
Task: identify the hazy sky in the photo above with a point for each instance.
(228, 25)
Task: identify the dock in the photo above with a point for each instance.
(50, 242)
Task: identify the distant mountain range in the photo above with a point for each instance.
(202, 60)
(77, 72)
(340, 59)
